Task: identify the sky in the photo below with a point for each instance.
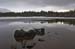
(37, 5)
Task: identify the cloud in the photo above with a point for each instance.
(48, 2)
(38, 4)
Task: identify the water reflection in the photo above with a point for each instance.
(49, 34)
(23, 36)
(63, 21)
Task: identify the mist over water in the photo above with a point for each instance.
(59, 34)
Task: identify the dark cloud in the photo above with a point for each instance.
(65, 4)
(40, 2)
(51, 2)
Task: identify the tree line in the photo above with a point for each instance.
(41, 13)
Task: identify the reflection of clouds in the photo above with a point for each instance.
(3, 24)
(60, 22)
(27, 25)
(16, 23)
(31, 25)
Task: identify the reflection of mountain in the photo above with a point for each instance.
(4, 10)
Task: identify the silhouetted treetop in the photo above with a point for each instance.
(70, 13)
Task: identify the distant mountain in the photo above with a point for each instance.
(4, 10)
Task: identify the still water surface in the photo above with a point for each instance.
(58, 34)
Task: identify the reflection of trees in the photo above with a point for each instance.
(22, 36)
(66, 21)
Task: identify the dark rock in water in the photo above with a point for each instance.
(40, 32)
(41, 40)
(23, 46)
(21, 35)
(29, 47)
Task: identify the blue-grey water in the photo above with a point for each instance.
(58, 35)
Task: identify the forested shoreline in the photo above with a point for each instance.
(37, 14)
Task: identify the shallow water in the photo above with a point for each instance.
(59, 34)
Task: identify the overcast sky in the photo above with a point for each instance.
(37, 5)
